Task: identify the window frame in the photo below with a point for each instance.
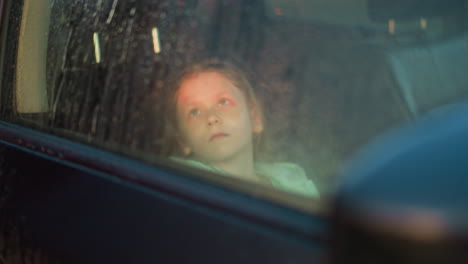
(166, 180)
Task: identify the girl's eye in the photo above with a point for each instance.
(194, 112)
(223, 102)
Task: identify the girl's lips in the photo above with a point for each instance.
(218, 135)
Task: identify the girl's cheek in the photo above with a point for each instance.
(193, 121)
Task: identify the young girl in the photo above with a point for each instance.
(216, 122)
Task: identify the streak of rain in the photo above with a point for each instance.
(112, 11)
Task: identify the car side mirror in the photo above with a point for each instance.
(406, 199)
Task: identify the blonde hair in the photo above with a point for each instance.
(233, 73)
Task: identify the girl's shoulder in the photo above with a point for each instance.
(288, 177)
(284, 176)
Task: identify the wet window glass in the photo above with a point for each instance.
(274, 92)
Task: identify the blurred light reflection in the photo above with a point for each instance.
(278, 11)
(391, 26)
(423, 23)
(97, 48)
(156, 44)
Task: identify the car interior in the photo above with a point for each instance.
(333, 76)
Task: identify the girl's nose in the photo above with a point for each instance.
(213, 118)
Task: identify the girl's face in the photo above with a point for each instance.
(215, 121)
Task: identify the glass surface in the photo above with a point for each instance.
(276, 93)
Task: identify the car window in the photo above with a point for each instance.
(274, 93)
